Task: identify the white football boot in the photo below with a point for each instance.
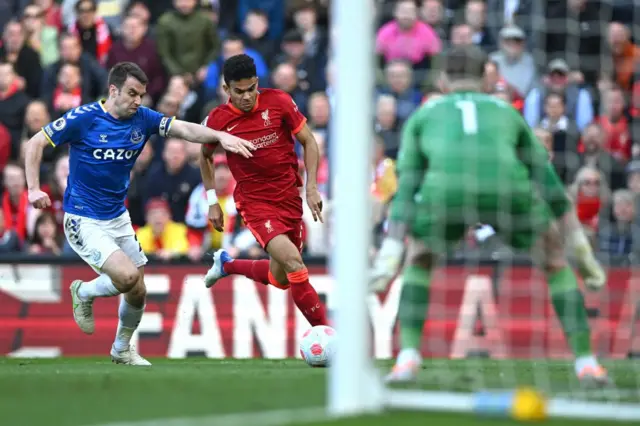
(406, 368)
(128, 356)
(216, 272)
(82, 310)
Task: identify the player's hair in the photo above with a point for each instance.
(464, 62)
(122, 70)
(239, 67)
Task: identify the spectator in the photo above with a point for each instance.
(315, 39)
(576, 30)
(521, 13)
(385, 182)
(308, 69)
(407, 38)
(24, 59)
(596, 156)
(202, 236)
(621, 237)
(399, 79)
(386, 124)
(46, 236)
(187, 98)
(5, 146)
(616, 126)
(174, 179)
(461, 35)
(578, 101)
(319, 113)
(274, 9)
(564, 130)
(255, 28)
(232, 46)
(135, 46)
(140, 11)
(9, 241)
(546, 139)
(93, 76)
(315, 234)
(633, 182)
(285, 78)
(432, 13)
(496, 84)
(590, 194)
(475, 15)
(15, 203)
(162, 236)
(13, 103)
(40, 37)
(626, 55)
(109, 10)
(36, 117)
(92, 30)
(68, 92)
(187, 41)
(516, 65)
(52, 13)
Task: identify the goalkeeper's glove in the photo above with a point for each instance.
(386, 264)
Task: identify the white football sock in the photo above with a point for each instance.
(585, 361)
(129, 320)
(99, 287)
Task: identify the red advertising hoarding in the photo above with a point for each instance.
(500, 313)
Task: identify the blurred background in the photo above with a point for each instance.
(570, 67)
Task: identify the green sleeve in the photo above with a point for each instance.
(536, 158)
(411, 166)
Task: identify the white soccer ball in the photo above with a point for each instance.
(318, 345)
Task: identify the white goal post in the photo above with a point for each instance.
(355, 387)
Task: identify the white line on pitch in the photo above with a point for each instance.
(263, 418)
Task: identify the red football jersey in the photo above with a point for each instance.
(271, 175)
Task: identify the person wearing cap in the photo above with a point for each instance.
(517, 66)
(578, 101)
(161, 236)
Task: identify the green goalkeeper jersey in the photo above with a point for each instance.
(471, 147)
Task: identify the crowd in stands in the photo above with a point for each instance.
(569, 66)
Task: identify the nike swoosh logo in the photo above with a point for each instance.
(231, 128)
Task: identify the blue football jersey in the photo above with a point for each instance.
(102, 152)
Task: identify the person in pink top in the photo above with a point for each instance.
(407, 38)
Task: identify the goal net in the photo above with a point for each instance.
(493, 342)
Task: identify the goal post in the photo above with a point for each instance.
(351, 378)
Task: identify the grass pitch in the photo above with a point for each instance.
(92, 391)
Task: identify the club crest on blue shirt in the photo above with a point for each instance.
(136, 135)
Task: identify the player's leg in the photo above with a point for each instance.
(412, 310)
(529, 218)
(590, 269)
(117, 274)
(224, 264)
(286, 255)
(132, 303)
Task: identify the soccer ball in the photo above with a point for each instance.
(318, 346)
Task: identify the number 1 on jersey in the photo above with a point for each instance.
(469, 117)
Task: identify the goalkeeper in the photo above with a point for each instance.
(468, 158)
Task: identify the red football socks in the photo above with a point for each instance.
(257, 270)
(306, 298)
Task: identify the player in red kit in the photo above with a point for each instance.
(267, 193)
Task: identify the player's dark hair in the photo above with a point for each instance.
(239, 67)
(464, 62)
(123, 70)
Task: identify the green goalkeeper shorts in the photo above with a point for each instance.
(442, 219)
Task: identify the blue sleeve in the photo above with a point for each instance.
(155, 122)
(67, 129)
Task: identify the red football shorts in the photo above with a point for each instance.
(266, 222)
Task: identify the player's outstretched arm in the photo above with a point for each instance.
(198, 133)
(311, 161)
(32, 160)
(208, 173)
